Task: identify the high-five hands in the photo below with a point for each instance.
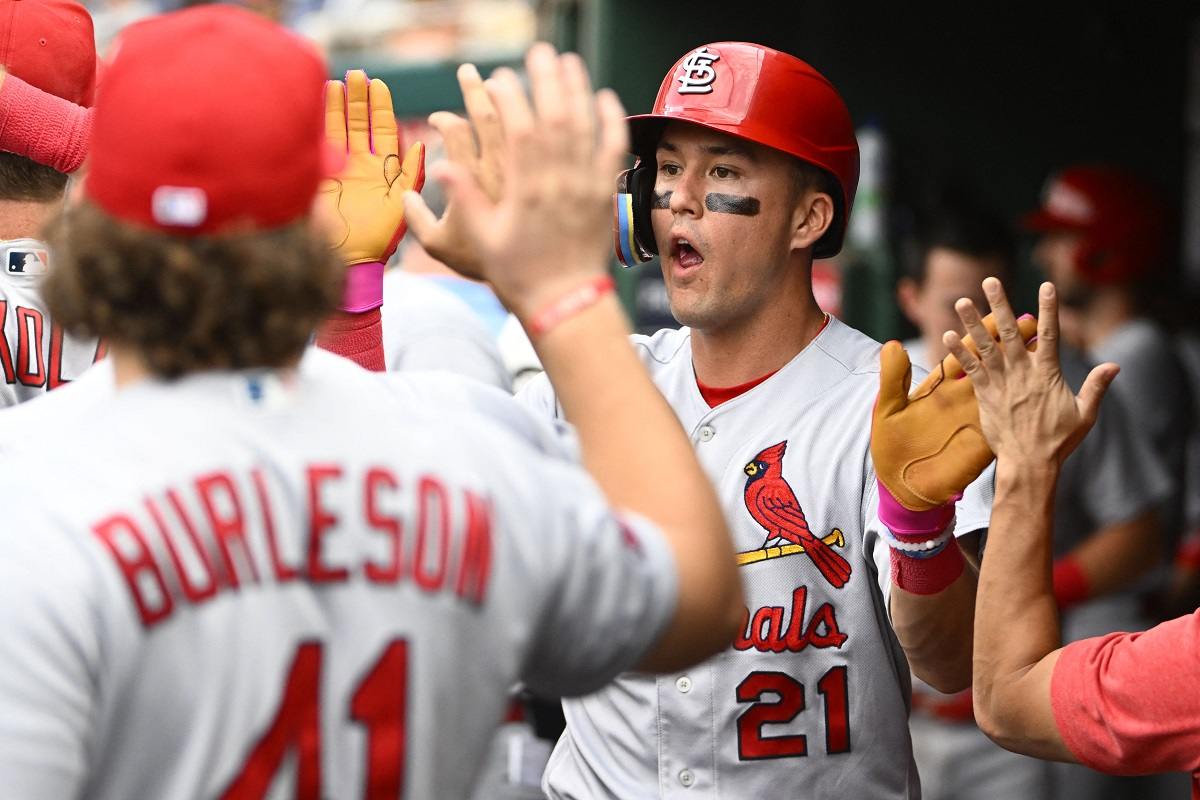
(927, 445)
(531, 208)
(1029, 416)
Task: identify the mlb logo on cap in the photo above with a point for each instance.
(26, 260)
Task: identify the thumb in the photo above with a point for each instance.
(1094, 388)
(412, 171)
(420, 220)
(895, 375)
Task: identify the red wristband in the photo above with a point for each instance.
(1188, 555)
(927, 575)
(1071, 584)
(570, 304)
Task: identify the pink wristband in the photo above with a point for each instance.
(570, 304)
(42, 127)
(904, 523)
(364, 287)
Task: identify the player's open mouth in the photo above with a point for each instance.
(685, 253)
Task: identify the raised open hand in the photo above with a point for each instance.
(533, 206)
(1028, 413)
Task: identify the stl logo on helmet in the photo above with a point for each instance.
(697, 73)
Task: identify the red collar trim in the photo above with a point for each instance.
(716, 395)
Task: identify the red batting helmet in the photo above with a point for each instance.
(758, 94)
(1122, 220)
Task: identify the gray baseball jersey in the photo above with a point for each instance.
(314, 583)
(1154, 389)
(35, 354)
(812, 699)
(426, 327)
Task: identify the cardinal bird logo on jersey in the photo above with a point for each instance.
(772, 503)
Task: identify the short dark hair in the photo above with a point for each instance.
(228, 301)
(970, 230)
(28, 181)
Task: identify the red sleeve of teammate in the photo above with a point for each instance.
(42, 127)
(358, 337)
(1129, 703)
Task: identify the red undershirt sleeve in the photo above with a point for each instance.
(1129, 703)
(358, 337)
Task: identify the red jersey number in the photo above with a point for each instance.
(378, 704)
(754, 746)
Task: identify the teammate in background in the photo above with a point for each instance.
(1106, 531)
(351, 569)
(1126, 703)
(1102, 238)
(49, 45)
(746, 171)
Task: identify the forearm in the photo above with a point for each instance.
(358, 337)
(935, 630)
(1016, 614)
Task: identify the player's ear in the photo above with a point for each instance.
(812, 217)
(907, 297)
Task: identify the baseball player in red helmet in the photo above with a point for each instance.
(265, 571)
(1102, 239)
(1125, 703)
(746, 172)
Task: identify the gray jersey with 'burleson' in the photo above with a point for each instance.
(319, 583)
(812, 699)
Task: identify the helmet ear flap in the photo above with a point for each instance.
(633, 235)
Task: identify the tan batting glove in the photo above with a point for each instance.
(928, 446)
(364, 204)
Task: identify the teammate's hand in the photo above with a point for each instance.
(364, 204)
(446, 239)
(1029, 416)
(929, 445)
(547, 229)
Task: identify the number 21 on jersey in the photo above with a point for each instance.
(753, 745)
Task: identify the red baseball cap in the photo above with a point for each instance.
(209, 120)
(50, 44)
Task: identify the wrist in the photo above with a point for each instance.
(364, 287)
(1031, 480)
(907, 524)
(545, 311)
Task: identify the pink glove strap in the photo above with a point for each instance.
(44, 128)
(364, 287)
(907, 524)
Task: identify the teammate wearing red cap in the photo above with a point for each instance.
(48, 45)
(746, 172)
(264, 571)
